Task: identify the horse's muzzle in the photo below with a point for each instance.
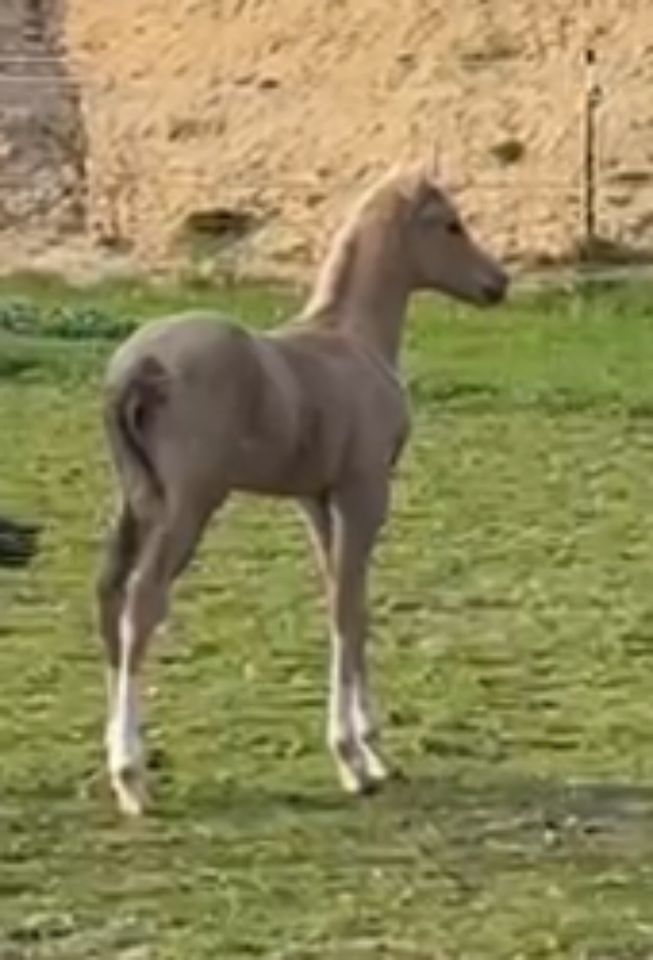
(494, 291)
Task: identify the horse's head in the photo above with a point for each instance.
(442, 253)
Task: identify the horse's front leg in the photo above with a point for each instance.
(358, 513)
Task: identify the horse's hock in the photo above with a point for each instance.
(277, 111)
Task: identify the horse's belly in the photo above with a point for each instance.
(295, 473)
(300, 462)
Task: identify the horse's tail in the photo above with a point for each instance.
(131, 408)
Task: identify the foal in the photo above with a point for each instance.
(196, 407)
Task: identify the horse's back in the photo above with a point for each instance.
(289, 413)
(180, 343)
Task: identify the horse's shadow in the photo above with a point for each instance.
(495, 817)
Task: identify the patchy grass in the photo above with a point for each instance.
(513, 654)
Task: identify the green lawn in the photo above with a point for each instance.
(512, 649)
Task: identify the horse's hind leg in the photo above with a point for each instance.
(166, 548)
(120, 555)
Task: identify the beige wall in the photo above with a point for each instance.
(283, 108)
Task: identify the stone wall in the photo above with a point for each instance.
(42, 149)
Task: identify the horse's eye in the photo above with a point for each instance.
(455, 227)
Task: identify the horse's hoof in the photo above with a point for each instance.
(375, 768)
(130, 793)
(130, 805)
(370, 786)
(359, 784)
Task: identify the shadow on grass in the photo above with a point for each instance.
(14, 365)
(520, 814)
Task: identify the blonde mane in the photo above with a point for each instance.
(336, 268)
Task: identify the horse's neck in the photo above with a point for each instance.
(374, 306)
(363, 292)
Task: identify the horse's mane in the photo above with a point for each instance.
(336, 268)
(333, 276)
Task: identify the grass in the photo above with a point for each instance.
(513, 656)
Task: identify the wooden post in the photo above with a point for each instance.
(592, 98)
